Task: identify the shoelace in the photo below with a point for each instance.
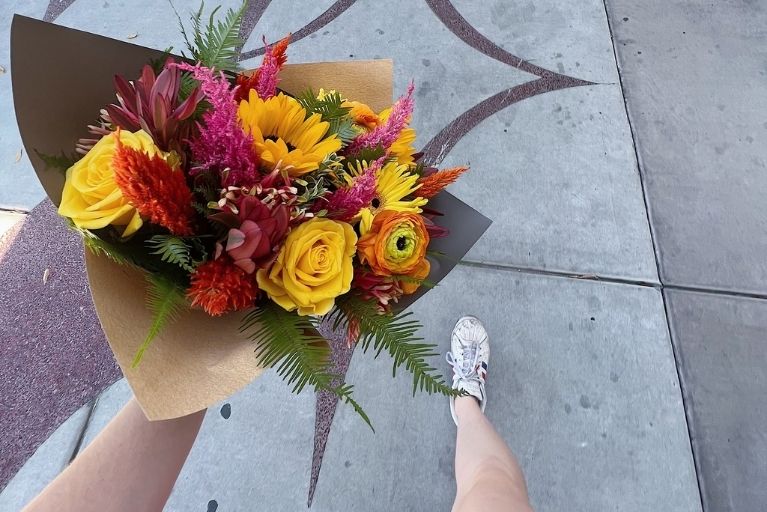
(474, 372)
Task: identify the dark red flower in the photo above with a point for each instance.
(255, 233)
(152, 104)
(383, 289)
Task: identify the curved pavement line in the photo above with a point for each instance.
(333, 12)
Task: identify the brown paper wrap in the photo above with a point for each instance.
(61, 79)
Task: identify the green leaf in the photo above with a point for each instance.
(100, 247)
(412, 280)
(61, 162)
(395, 334)
(165, 300)
(172, 249)
(329, 107)
(217, 44)
(301, 356)
(345, 130)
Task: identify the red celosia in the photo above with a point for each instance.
(386, 133)
(158, 191)
(434, 183)
(219, 286)
(345, 203)
(222, 144)
(264, 80)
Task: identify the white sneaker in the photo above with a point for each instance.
(469, 355)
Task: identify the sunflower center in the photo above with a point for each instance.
(274, 138)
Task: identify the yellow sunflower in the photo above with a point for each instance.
(284, 137)
(394, 182)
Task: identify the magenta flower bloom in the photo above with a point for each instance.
(222, 144)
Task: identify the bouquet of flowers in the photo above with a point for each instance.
(232, 195)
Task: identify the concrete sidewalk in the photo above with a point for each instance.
(584, 384)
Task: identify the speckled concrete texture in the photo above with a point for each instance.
(53, 352)
(696, 92)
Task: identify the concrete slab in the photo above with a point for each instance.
(562, 187)
(150, 24)
(571, 38)
(696, 90)
(721, 349)
(105, 407)
(583, 388)
(9, 224)
(43, 466)
(19, 189)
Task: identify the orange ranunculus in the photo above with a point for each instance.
(362, 114)
(396, 246)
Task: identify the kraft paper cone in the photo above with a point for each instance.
(62, 77)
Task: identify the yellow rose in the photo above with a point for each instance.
(91, 198)
(313, 267)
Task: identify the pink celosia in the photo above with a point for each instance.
(268, 73)
(386, 133)
(345, 203)
(264, 80)
(222, 144)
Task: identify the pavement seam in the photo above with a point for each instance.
(656, 254)
(5, 209)
(81, 437)
(561, 274)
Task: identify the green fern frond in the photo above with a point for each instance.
(100, 247)
(397, 335)
(217, 44)
(292, 344)
(171, 249)
(165, 300)
(330, 107)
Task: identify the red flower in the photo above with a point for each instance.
(219, 286)
(157, 190)
(254, 242)
(382, 289)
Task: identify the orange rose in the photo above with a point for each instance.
(396, 246)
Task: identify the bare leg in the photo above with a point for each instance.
(132, 465)
(487, 475)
